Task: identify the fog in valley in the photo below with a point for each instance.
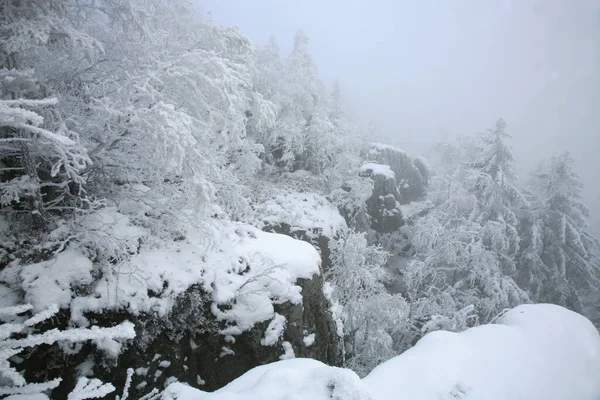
(300, 199)
(424, 71)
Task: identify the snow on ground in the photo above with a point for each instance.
(254, 268)
(294, 379)
(51, 282)
(302, 211)
(534, 352)
(378, 169)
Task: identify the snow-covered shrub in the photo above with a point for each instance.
(188, 317)
(42, 160)
(18, 333)
(370, 314)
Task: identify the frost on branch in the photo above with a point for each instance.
(371, 315)
(17, 334)
(42, 163)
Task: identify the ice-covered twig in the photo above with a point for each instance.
(126, 386)
(90, 389)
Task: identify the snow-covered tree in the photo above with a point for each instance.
(465, 248)
(490, 178)
(371, 315)
(303, 136)
(559, 262)
(453, 267)
(42, 161)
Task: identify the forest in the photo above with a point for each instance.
(179, 205)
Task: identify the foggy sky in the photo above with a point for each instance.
(426, 70)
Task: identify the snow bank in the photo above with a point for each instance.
(302, 211)
(295, 379)
(535, 352)
(52, 281)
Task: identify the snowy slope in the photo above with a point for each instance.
(302, 211)
(534, 352)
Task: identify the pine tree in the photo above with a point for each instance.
(559, 262)
(490, 178)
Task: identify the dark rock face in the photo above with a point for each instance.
(186, 344)
(411, 174)
(383, 206)
(209, 361)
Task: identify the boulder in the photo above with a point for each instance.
(383, 206)
(411, 174)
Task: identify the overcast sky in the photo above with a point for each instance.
(423, 69)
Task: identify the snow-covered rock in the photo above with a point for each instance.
(411, 174)
(383, 205)
(534, 352)
(378, 170)
(307, 212)
(214, 304)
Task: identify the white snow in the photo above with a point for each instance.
(274, 330)
(37, 396)
(309, 340)
(288, 351)
(164, 364)
(378, 169)
(337, 310)
(226, 351)
(412, 209)
(294, 379)
(247, 271)
(534, 352)
(302, 211)
(8, 297)
(51, 282)
(264, 272)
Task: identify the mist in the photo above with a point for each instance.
(185, 212)
(423, 71)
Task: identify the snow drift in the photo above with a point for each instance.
(299, 378)
(533, 352)
(541, 351)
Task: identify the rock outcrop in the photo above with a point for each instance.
(193, 343)
(411, 174)
(383, 206)
(209, 361)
